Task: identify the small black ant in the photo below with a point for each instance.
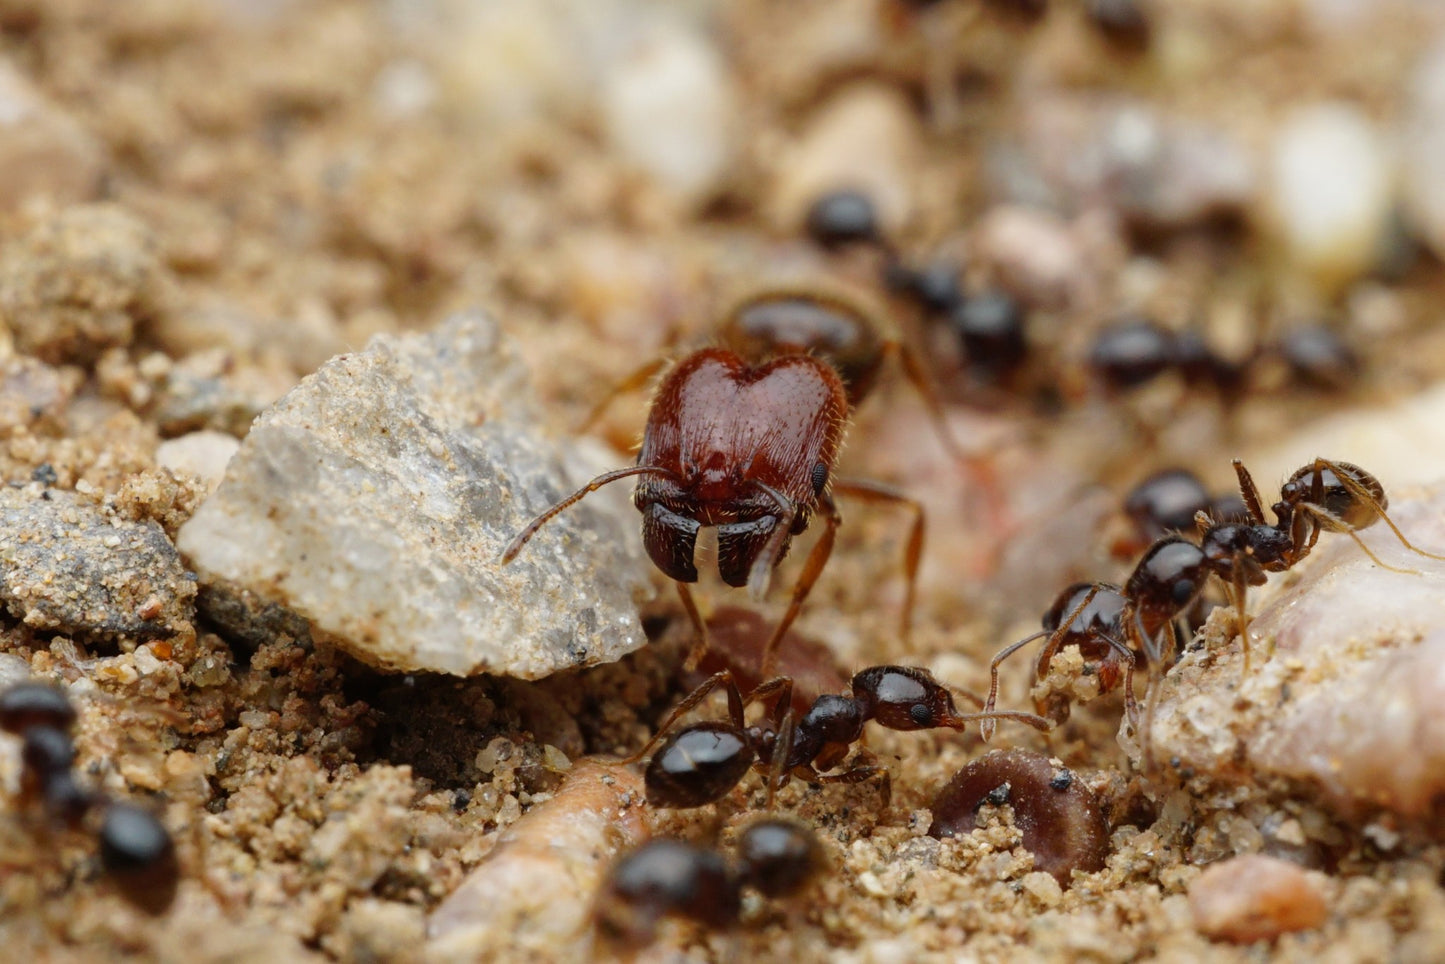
(699, 763)
(1324, 496)
(1116, 628)
(136, 850)
(664, 877)
(745, 438)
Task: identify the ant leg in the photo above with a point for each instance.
(1146, 736)
(699, 627)
(979, 469)
(515, 546)
(777, 771)
(913, 552)
(638, 378)
(776, 694)
(1360, 492)
(1131, 708)
(1249, 492)
(817, 558)
(1329, 521)
(735, 710)
(986, 729)
(861, 773)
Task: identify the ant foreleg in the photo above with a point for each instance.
(817, 559)
(1131, 708)
(913, 549)
(735, 710)
(634, 380)
(986, 729)
(699, 627)
(1249, 492)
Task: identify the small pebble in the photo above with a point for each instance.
(1255, 898)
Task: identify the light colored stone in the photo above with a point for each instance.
(1331, 192)
(668, 110)
(67, 564)
(1423, 150)
(203, 454)
(43, 151)
(1347, 688)
(375, 498)
(1071, 151)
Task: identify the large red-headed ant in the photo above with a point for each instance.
(745, 438)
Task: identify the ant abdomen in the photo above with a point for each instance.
(698, 765)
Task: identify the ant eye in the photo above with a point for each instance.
(1183, 591)
(920, 714)
(820, 478)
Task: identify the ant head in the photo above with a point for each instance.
(904, 698)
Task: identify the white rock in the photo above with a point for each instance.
(375, 498)
(1423, 150)
(668, 110)
(203, 454)
(1331, 192)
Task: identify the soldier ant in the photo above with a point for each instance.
(699, 763)
(745, 438)
(1324, 496)
(665, 878)
(136, 851)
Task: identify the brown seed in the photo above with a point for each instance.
(1254, 898)
(1062, 823)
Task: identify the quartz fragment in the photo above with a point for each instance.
(1346, 688)
(375, 498)
(66, 564)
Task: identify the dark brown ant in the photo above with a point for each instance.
(699, 763)
(673, 878)
(136, 850)
(744, 438)
(1116, 628)
(1324, 496)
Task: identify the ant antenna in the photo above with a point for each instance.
(523, 537)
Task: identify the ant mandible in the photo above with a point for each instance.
(1324, 496)
(136, 850)
(699, 763)
(745, 438)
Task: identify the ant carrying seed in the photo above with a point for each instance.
(1324, 496)
(699, 763)
(745, 438)
(136, 850)
(664, 878)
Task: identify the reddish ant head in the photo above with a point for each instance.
(746, 449)
(904, 698)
